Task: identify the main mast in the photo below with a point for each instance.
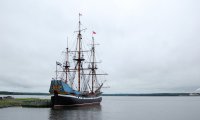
(79, 58)
(79, 53)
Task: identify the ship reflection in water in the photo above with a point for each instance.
(76, 113)
(115, 108)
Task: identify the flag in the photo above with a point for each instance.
(80, 14)
(93, 32)
(58, 63)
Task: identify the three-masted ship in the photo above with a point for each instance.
(78, 83)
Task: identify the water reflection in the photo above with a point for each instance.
(76, 113)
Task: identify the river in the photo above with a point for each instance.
(115, 108)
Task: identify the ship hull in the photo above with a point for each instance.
(71, 101)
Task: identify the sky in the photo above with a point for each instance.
(146, 46)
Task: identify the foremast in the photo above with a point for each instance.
(93, 65)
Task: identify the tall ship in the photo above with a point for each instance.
(77, 80)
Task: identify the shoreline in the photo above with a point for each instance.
(25, 102)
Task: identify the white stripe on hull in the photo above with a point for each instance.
(79, 97)
(77, 104)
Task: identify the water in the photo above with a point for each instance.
(115, 108)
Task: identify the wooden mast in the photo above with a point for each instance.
(93, 65)
(67, 64)
(79, 53)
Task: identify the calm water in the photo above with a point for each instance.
(115, 108)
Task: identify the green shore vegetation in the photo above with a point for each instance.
(25, 102)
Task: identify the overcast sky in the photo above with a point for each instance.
(145, 45)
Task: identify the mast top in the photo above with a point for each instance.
(79, 22)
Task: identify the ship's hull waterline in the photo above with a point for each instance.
(73, 101)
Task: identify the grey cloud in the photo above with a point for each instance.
(146, 46)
